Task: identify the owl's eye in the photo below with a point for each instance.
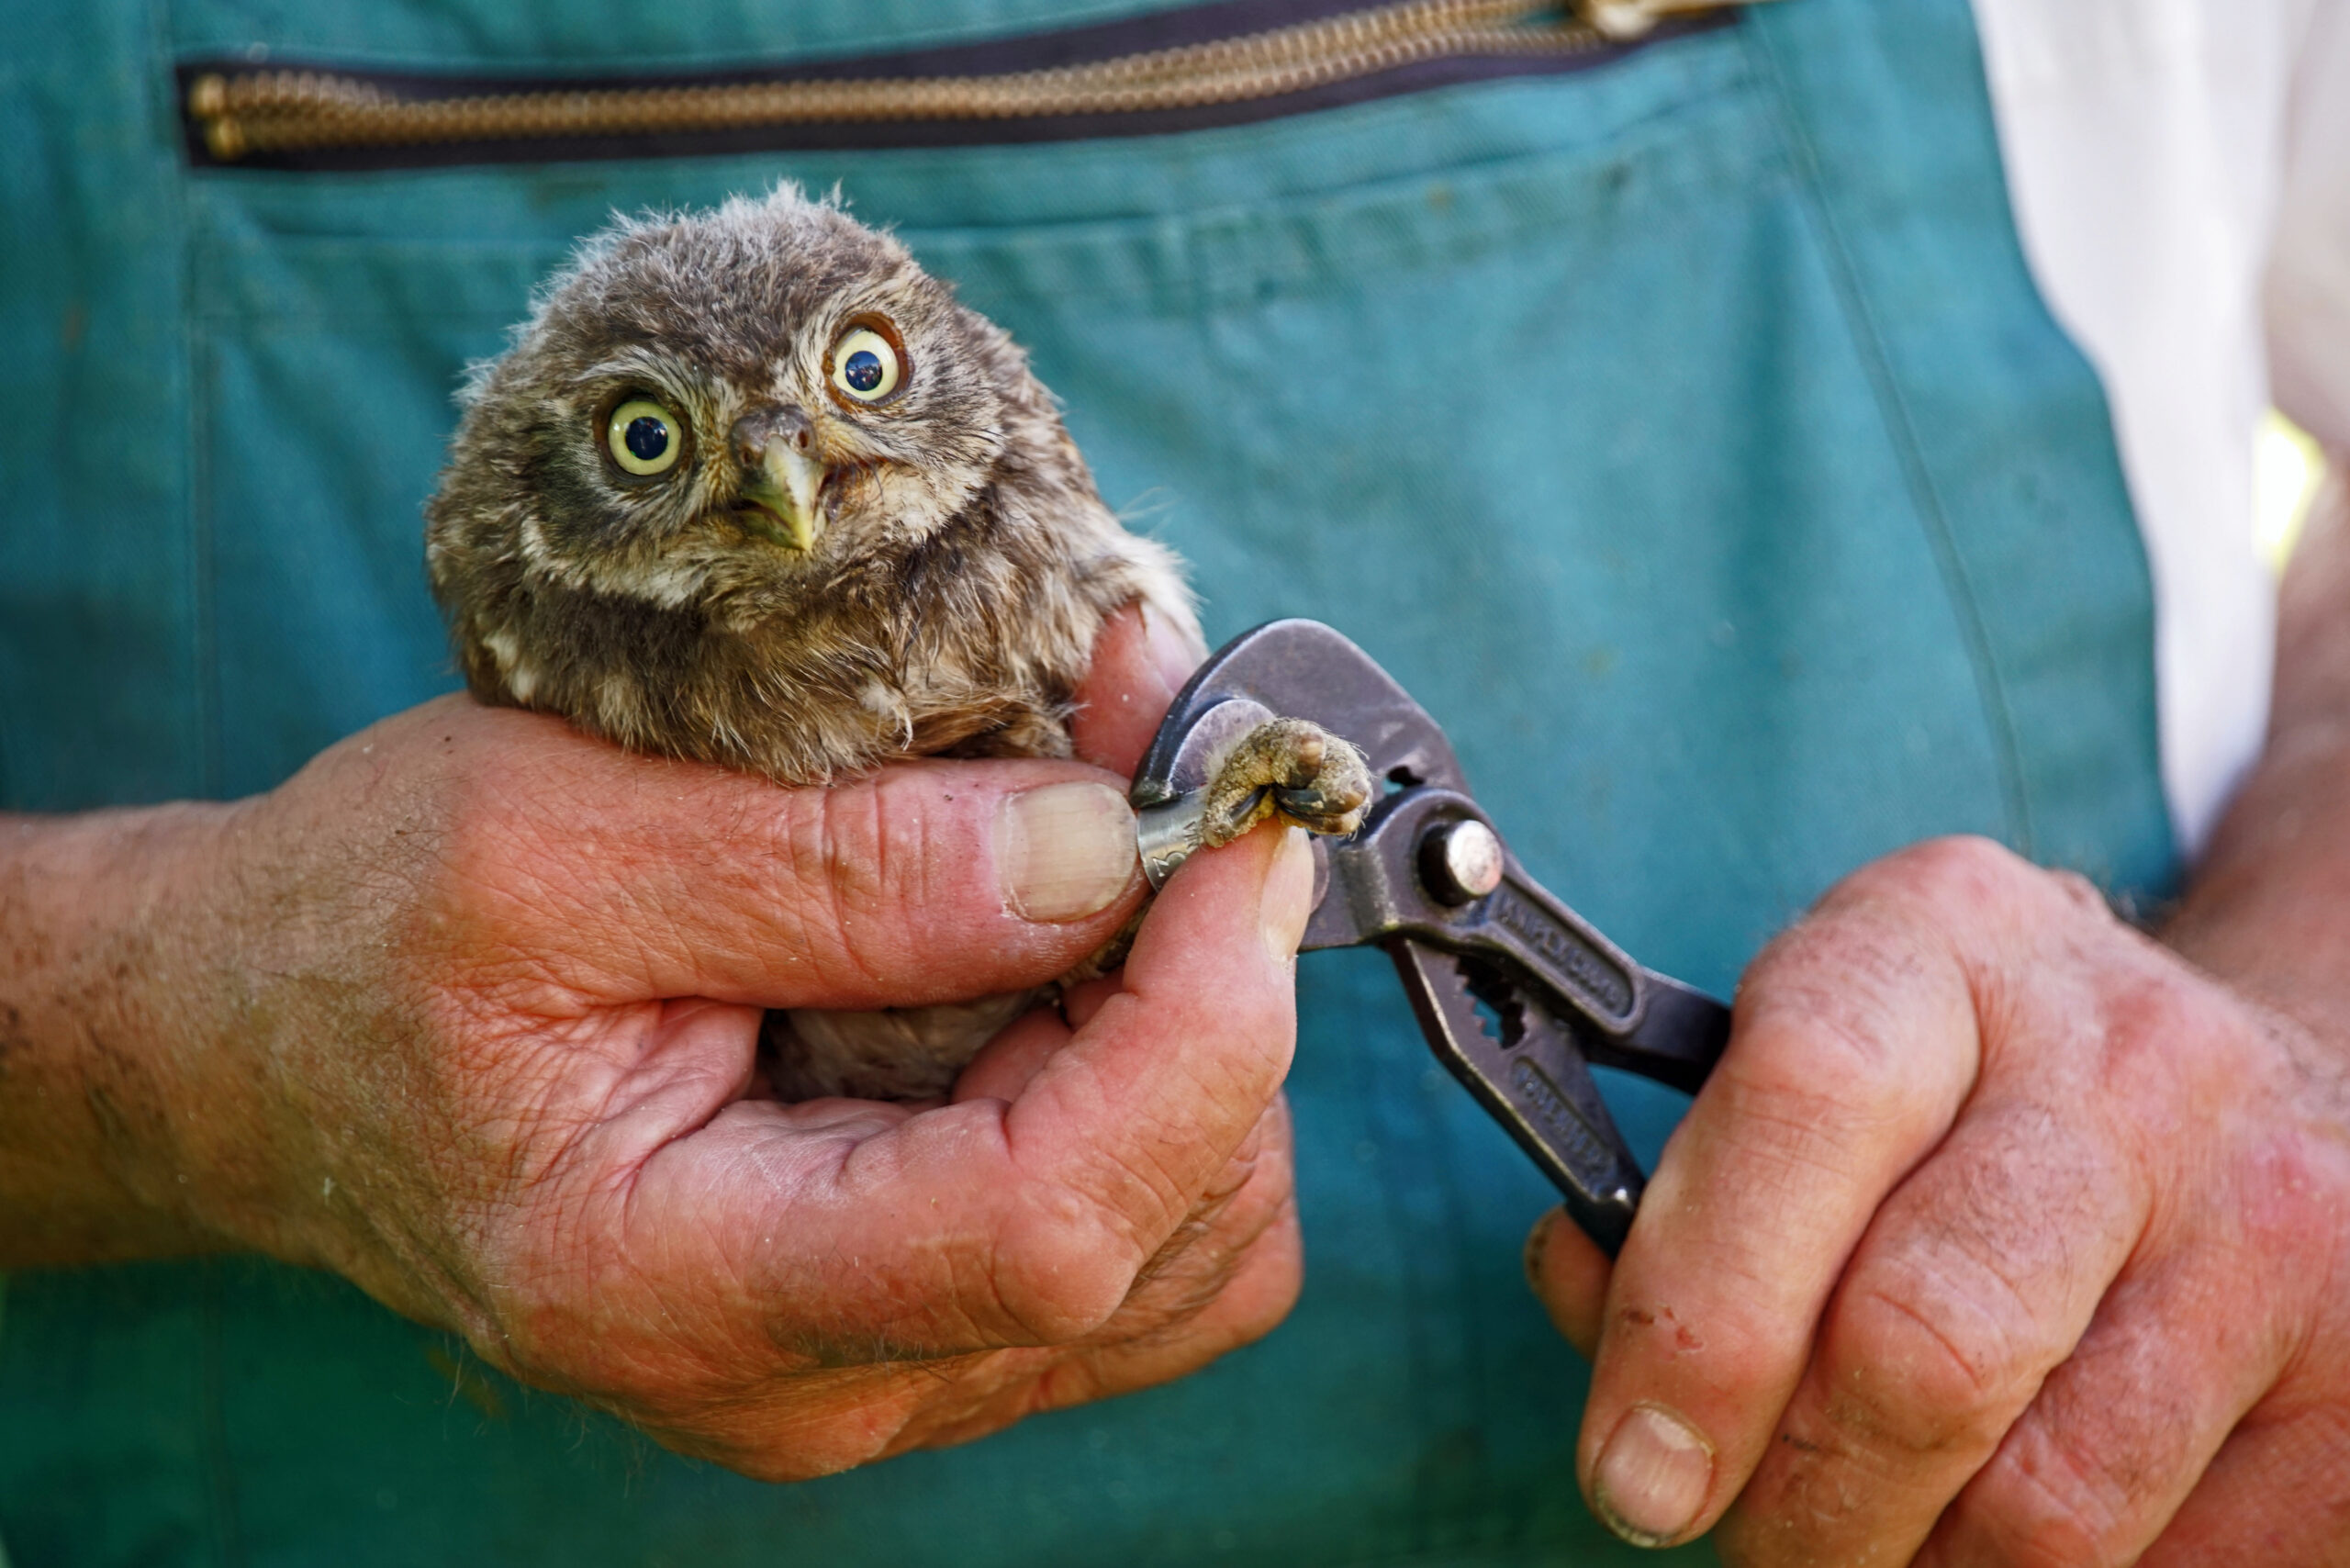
(644, 437)
(865, 366)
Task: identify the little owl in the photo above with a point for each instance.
(749, 487)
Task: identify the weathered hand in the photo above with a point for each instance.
(475, 1028)
(2001, 1235)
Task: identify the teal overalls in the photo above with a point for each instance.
(1682, 430)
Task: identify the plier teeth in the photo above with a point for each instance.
(1535, 1082)
(1430, 880)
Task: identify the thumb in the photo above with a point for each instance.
(619, 877)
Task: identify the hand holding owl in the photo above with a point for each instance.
(470, 1011)
(467, 1012)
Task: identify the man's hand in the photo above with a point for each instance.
(2002, 1233)
(468, 1012)
(1999, 1235)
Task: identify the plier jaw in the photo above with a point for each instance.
(1429, 879)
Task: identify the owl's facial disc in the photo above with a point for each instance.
(782, 477)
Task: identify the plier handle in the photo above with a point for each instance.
(1429, 879)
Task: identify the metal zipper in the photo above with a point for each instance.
(296, 116)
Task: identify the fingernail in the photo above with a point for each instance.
(1065, 851)
(1652, 1477)
(1289, 895)
(1537, 1241)
(1176, 648)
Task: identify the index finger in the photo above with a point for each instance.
(1141, 659)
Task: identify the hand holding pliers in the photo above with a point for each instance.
(1429, 878)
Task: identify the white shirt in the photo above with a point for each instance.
(2181, 172)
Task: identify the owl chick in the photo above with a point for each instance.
(750, 488)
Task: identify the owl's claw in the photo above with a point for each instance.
(1288, 768)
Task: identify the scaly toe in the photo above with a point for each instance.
(1292, 767)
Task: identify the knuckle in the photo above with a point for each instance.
(2286, 1216)
(2053, 1504)
(830, 1453)
(1961, 869)
(1911, 1372)
(1961, 884)
(1062, 1269)
(1839, 1062)
(547, 1338)
(1977, 879)
(851, 848)
(1797, 1123)
(1283, 1268)
(2083, 897)
(2156, 1036)
(1075, 1255)
(1258, 1027)
(1833, 1017)
(1854, 959)
(780, 1440)
(834, 853)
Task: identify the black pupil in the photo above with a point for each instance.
(647, 437)
(862, 371)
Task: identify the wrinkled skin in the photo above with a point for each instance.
(467, 1013)
(2003, 1233)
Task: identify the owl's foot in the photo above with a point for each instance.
(1290, 768)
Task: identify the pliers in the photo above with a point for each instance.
(1429, 879)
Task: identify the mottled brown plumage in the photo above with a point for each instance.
(961, 562)
(751, 487)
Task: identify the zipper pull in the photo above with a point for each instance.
(1624, 21)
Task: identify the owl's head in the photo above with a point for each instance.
(729, 408)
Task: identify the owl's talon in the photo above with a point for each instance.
(1291, 768)
(1236, 817)
(1312, 805)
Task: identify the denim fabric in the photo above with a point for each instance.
(1686, 435)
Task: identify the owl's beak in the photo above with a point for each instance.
(781, 477)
